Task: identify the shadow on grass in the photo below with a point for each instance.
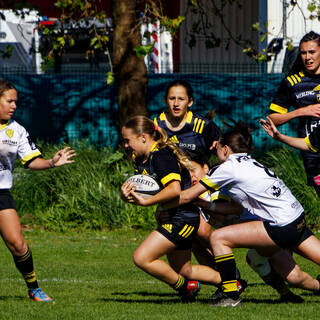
(7, 298)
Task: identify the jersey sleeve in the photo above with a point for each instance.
(218, 177)
(166, 166)
(282, 99)
(313, 140)
(27, 149)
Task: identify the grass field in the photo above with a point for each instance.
(91, 276)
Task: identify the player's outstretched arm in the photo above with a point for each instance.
(312, 110)
(62, 157)
(273, 132)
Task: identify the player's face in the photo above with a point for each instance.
(310, 55)
(198, 172)
(178, 101)
(222, 152)
(135, 143)
(8, 105)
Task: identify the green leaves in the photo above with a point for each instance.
(142, 51)
(110, 78)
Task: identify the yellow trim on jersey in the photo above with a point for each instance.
(201, 128)
(297, 77)
(154, 147)
(307, 140)
(301, 74)
(277, 108)
(218, 196)
(207, 182)
(162, 116)
(30, 157)
(4, 125)
(203, 195)
(170, 177)
(189, 117)
(174, 139)
(291, 82)
(155, 121)
(317, 88)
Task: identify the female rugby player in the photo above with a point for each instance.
(192, 133)
(259, 190)
(300, 90)
(155, 155)
(15, 141)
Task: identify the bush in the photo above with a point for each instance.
(84, 194)
(288, 165)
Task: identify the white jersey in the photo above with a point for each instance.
(14, 141)
(256, 188)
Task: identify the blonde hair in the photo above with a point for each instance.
(142, 124)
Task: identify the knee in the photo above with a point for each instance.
(139, 260)
(17, 246)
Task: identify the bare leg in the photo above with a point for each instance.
(180, 261)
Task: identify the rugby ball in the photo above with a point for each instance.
(146, 186)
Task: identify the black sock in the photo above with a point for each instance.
(25, 265)
(226, 266)
(181, 284)
(276, 282)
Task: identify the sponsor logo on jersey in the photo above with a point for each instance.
(9, 133)
(189, 146)
(10, 142)
(145, 172)
(305, 94)
(174, 139)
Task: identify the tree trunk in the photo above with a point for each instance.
(130, 71)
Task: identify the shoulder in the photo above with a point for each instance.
(295, 78)
(160, 119)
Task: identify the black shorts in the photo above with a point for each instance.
(180, 232)
(6, 200)
(291, 235)
(311, 163)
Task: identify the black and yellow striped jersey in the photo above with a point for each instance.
(163, 166)
(313, 140)
(196, 137)
(297, 91)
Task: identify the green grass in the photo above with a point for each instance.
(91, 276)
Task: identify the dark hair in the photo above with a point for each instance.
(298, 63)
(238, 138)
(5, 86)
(142, 124)
(182, 83)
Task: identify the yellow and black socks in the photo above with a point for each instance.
(226, 266)
(24, 264)
(181, 285)
(276, 282)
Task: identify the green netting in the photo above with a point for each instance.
(69, 107)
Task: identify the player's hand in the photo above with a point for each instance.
(312, 110)
(126, 190)
(270, 128)
(63, 157)
(137, 199)
(214, 144)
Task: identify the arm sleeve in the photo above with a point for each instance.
(27, 150)
(313, 140)
(166, 166)
(282, 99)
(218, 177)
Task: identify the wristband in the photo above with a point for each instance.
(212, 206)
(51, 163)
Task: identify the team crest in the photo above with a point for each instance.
(9, 133)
